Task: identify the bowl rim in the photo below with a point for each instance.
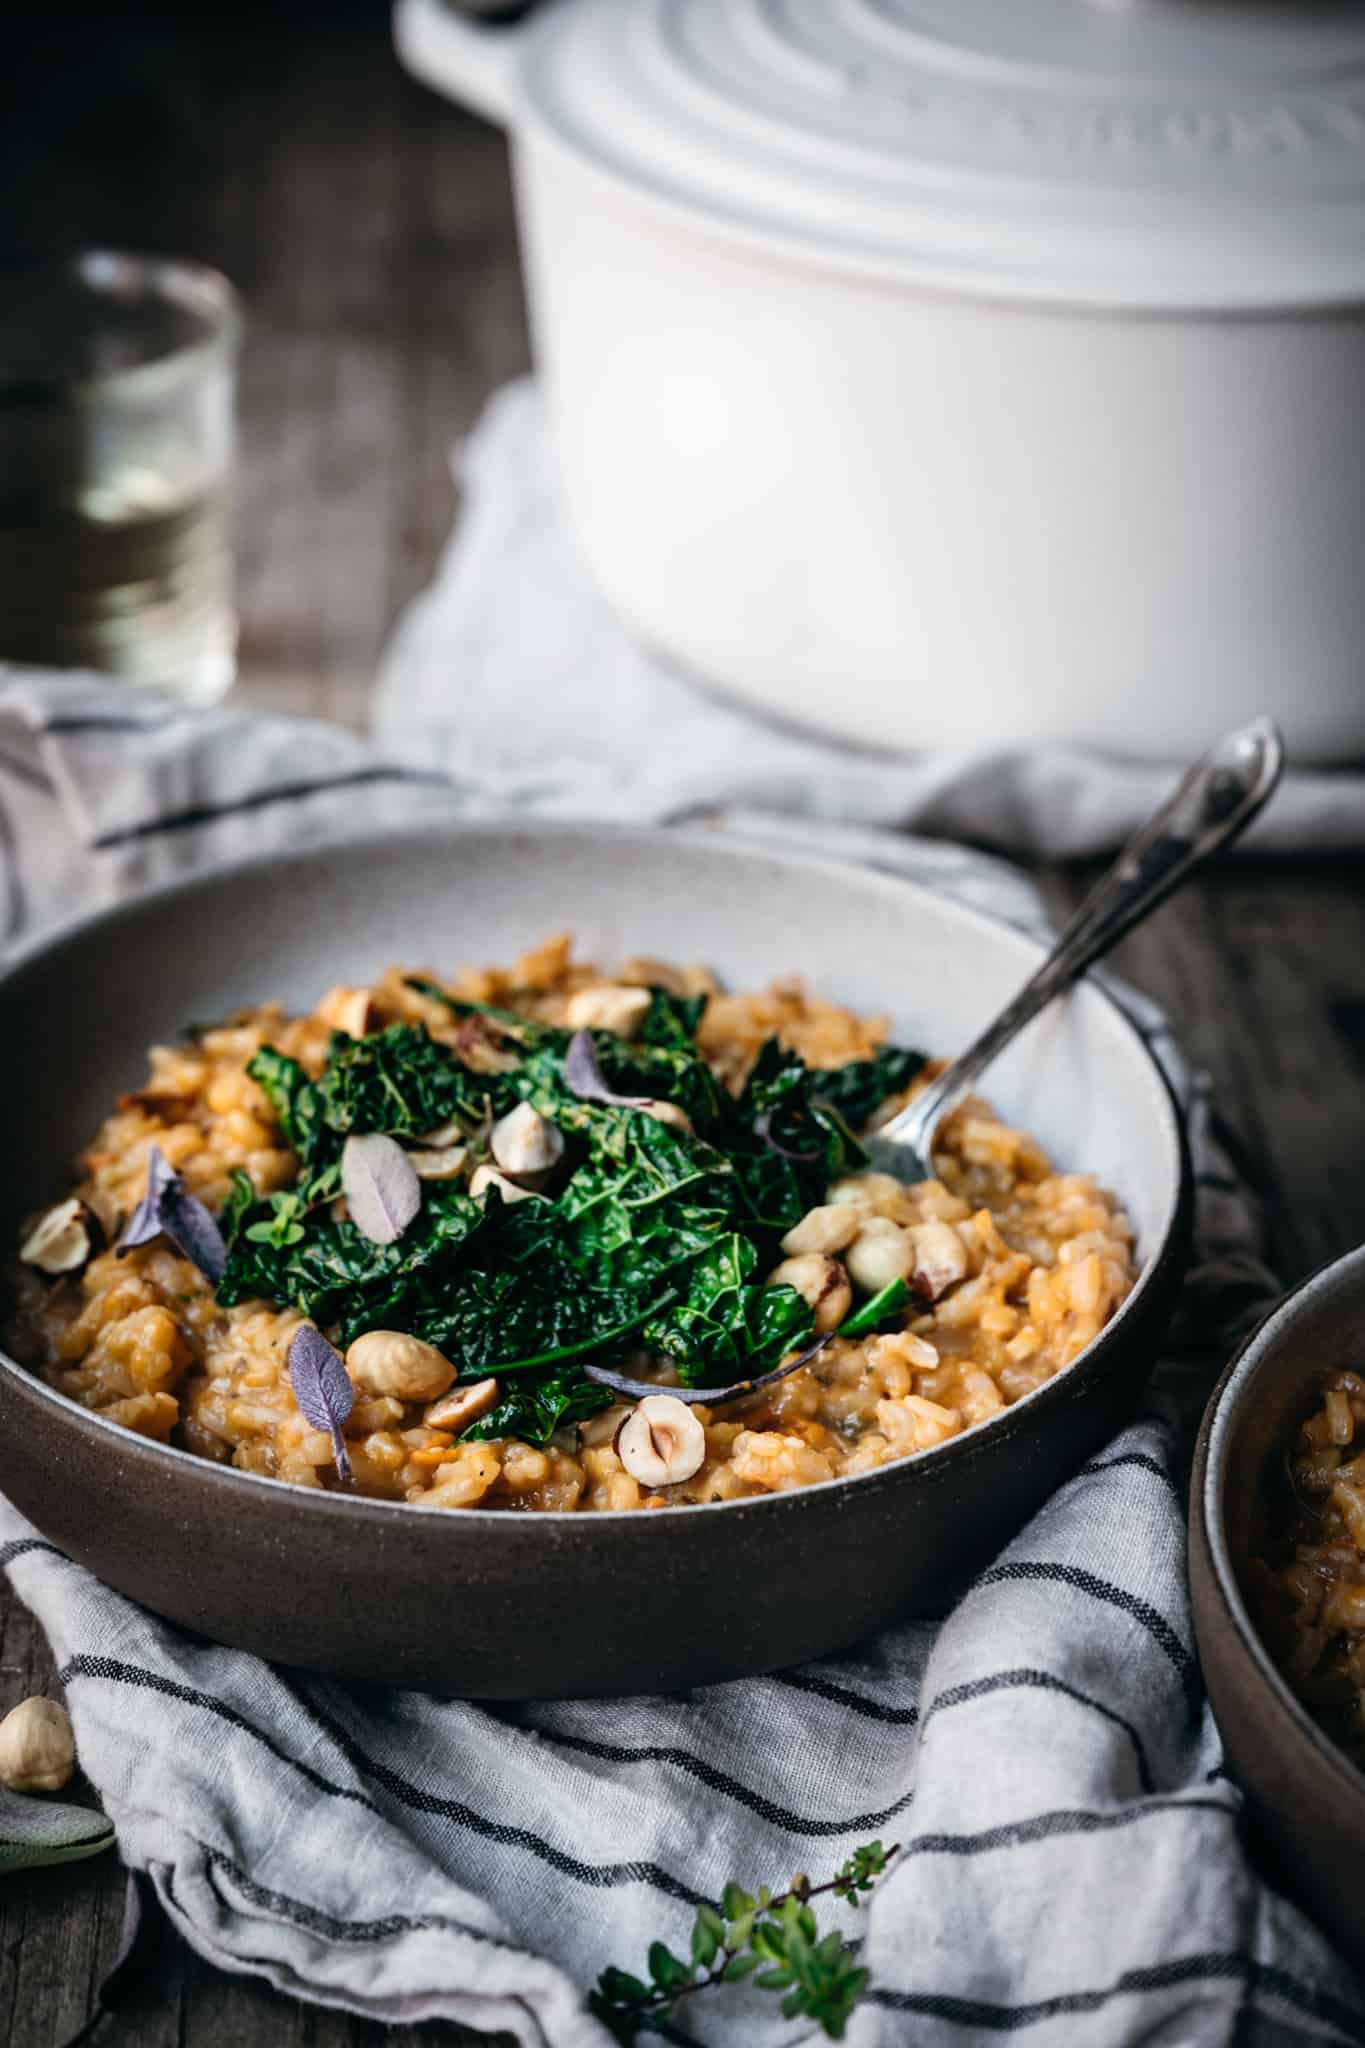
(959, 1451)
(1207, 1497)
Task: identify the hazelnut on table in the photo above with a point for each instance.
(37, 1747)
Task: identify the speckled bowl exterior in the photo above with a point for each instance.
(501, 1605)
(1306, 1799)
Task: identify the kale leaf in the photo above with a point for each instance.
(292, 1096)
(404, 1082)
(788, 1144)
(657, 1072)
(653, 1236)
(327, 1270)
(858, 1090)
(500, 1320)
(537, 1404)
(725, 1325)
(672, 1021)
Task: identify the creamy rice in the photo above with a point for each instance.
(1048, 1258)
(1308, 1582)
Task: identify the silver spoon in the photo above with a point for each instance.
(1217, 798)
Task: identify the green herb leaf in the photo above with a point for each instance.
(620, 1984)
(708, 1917)
(891, 1301)
(668, 1971)
(706, 1940)
(818, 1974)
(282, 1226)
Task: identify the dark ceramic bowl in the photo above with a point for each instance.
(1306, 1799)
(505, 1605)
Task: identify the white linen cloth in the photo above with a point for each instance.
(511, 672)
(1071, 1867)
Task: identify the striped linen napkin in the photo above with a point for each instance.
(1071, 1868)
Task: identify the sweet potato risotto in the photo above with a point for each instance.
(550, 1238)
(1308, 1584)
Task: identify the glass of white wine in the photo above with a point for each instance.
(117, 385)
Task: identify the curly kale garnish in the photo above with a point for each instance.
(673, 1021)
(537, 1404)
(653, 1237)
(858, 1090)
(773, 1941)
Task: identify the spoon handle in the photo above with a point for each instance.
(1216, 799)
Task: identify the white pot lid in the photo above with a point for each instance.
(1165, 154)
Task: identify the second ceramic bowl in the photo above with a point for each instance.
(1306, 1798)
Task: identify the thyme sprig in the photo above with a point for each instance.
(774, 1940)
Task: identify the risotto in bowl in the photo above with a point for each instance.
(560, 1252)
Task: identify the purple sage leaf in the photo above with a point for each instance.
(169, 1210)
(322, 1388)
(585, 1077)
(145, 1222)
(381, 1187)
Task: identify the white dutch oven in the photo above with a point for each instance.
(940, 372)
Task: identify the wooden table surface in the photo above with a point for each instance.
(369, 226)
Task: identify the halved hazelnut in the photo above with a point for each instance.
(450, 1133)
(347, 1009)
(602, 1427)
(829, 1228)
(820, 1281)
(486, 1047)
(940, 1258)
(485, 1177)
(440, 1162)
(661, 1442)
(63, 1238)
(640, 971)
(667, 1113)
(607, 1006)
(525, 1143)
(881, 1253)
(461, 1406)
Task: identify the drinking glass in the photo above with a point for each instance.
(117, 382)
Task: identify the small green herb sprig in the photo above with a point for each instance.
(773, 1940)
